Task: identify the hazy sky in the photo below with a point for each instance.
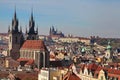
(77, 17)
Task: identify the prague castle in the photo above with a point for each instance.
(54, 32)
(28, 48)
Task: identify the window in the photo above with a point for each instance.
(10, 39)
(101, 77)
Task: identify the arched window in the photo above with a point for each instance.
(10, 39)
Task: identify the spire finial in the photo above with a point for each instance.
(15, 13)
(20, 29)
(32, 13)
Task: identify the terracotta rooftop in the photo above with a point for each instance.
(71, 76)
(92, 66)
(34, 44)
(114, 71)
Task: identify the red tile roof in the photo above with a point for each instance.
(114, 71)
(92, 66)
(71, 76)
(34, 44)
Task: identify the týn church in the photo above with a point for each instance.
(27, 49)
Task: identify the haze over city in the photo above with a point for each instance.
(77, 17)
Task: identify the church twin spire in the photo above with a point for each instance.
(32, 25)
(15, 24)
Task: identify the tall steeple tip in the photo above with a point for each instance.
(20, 29)
(31, 13)
(15, 13)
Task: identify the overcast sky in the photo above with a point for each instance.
(78, 17)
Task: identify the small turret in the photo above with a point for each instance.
(108, 53)
(8, 28)
(31, 25)
(20, 29)
(37, 30)
(109, 47)
(26, 30)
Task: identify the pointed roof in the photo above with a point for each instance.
(15, 13)
(34, 44)
(32, 15)
(20, 29)
(15, 22)
(26, 30)
(9, 28)
(31, 18)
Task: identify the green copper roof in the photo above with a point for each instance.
(109, 47)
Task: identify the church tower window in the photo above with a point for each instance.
(10, 38)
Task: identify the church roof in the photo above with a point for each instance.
(34, 44)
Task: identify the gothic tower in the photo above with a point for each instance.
(16, 38)
(31, 34)
(108, 53)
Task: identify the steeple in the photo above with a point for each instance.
(37, 30)
(32, 34)
(31, 24)
(15, 14)
(8, 28)
(32, 15)
(109, 47)
(15, 23)
(53, 29)
(26, 30)
(20, 29)
(50, 31)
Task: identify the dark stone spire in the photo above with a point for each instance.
(31, 24)
(20, 29)
(26, 30)
(37, 30)
(15, 23)
(50, 31)
(8, 28)
(15, 17)
(53, 29)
